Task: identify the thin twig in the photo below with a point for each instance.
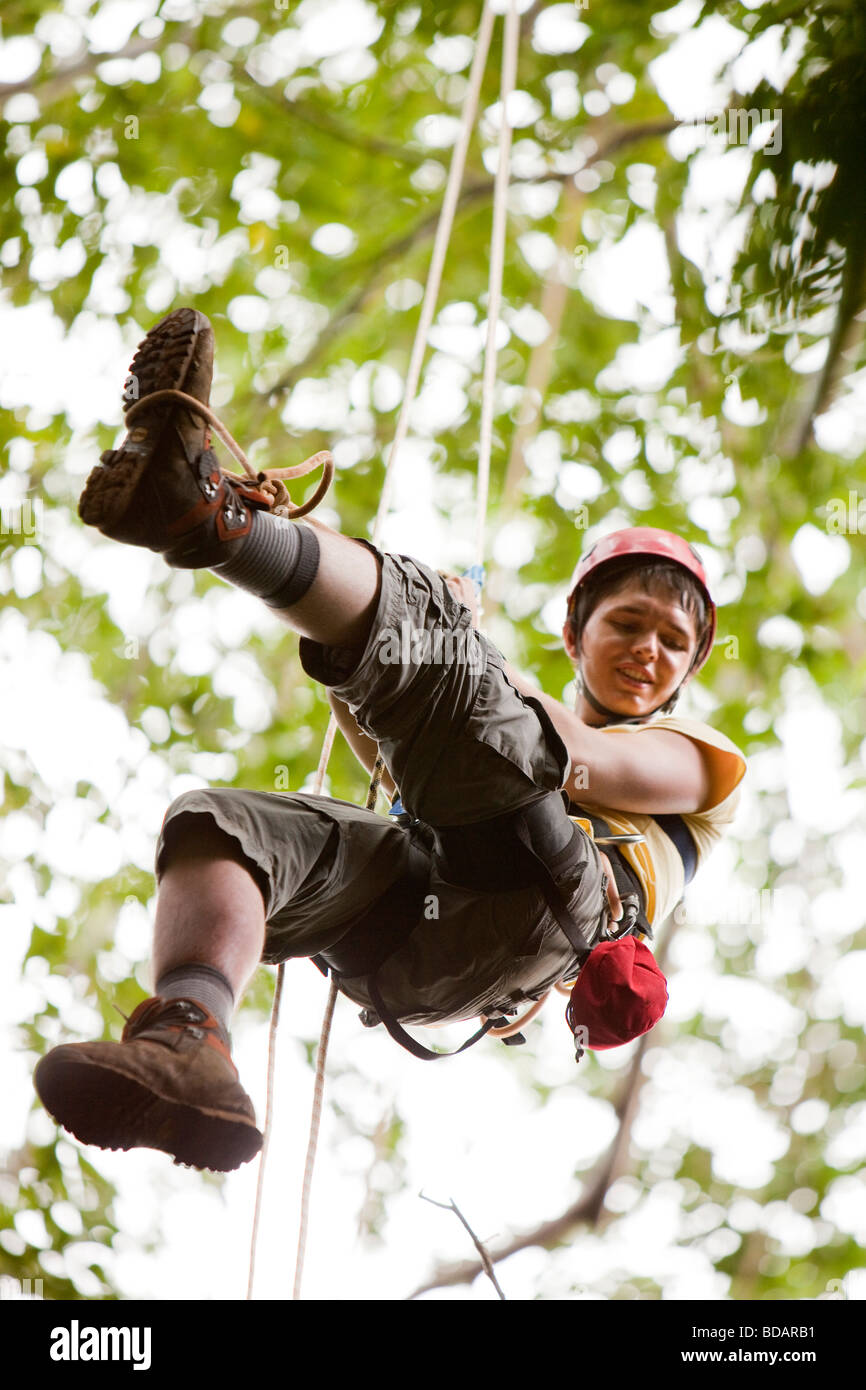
(486, 1263)
(589, 1207)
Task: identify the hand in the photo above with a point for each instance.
(463, 590)
(613, 898)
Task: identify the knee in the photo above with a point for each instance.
(191, 830)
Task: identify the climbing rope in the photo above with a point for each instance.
(312, 1145)
(437, 260)
(497, 262)
(441, 242)
(266, 1133)
(319, 1083)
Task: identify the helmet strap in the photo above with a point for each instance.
(610, 716)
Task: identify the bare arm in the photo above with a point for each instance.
(365, 749)
(665, 772)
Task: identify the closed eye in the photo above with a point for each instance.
(676, 643)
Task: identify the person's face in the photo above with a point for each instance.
(635, 650)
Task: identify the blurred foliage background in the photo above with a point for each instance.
(682, 346)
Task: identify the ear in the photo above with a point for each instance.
(569, 640)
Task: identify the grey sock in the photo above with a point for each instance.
(277, 562)
(203, 983)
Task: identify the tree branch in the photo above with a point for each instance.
(329, 125)
(584, 1212)
(842, 352)
(386, 256)
(588, 1209)
(53, 84)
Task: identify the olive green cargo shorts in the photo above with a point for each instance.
(462, 745)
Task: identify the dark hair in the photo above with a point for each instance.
(653, 575)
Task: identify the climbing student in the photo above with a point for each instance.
(487, 887)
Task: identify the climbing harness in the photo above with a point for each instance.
(676, 829)
(471, 856)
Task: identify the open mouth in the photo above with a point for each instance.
(634, 680)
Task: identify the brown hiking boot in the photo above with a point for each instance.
(163, 488)
(169, 1084)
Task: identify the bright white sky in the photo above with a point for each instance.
(474, 1132)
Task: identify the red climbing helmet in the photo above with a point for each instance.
(649, 540)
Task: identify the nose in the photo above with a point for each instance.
(645, 645)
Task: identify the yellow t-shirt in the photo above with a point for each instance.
(657, 861)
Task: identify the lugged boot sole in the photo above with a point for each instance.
(161, 363)
(105, 1107)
